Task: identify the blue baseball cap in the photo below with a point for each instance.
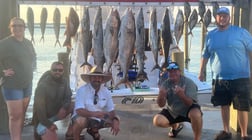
(172, 66)
(223, 10)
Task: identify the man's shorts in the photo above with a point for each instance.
(16, 94)
(179, 119)
(235, 91)
(94, 123)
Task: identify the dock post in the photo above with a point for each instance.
(179, 58)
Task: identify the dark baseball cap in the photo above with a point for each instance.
(223, 10)
(172, 66)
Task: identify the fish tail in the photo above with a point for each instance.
(126, 82)
(165, 65)
(190, 33)
(156, 67)
(201, 20)
(57, 42)
(141, 76)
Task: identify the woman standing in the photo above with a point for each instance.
(17, 61)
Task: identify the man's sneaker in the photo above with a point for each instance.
(245, 138)
(223, 136)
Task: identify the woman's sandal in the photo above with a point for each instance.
(94, 133)
(174, 132)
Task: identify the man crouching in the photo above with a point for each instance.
(94, 107)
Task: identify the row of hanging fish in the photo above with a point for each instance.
(192, 18)
(43, 22)
(121, 38)
(72, 21)
(126, 35)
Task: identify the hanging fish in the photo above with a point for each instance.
(179, 25)
(187, 10)
(56, 25)
(43, 20)
(97, 41)
(202, 10)
(215, 8)
(72, 25)
(193, 21)
(110, 38)
(30, 23)
(127, 36)
(85, 36)
(140, 46)
(166, 37)
(207, 18)
(153, 37)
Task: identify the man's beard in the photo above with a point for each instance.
(57, 79)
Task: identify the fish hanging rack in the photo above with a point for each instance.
(140, 3)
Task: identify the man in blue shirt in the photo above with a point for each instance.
(227, 47)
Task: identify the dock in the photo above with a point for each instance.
(136, 123)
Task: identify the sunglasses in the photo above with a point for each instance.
(57, 70)
(17, 25)
(96, 98)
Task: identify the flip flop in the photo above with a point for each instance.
(174, 132)
(94, 133)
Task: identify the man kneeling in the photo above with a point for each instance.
(180, 94)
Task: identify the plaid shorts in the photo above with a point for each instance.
(235, 91)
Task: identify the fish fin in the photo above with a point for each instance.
(111, 31)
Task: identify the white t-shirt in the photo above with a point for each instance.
(85, 99)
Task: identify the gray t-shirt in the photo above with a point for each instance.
(174, 104)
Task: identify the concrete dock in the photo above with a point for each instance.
(136, 123)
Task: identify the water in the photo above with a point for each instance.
(195, 52)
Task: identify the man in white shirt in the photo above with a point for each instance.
(94, 107)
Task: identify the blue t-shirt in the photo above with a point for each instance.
(228, 52)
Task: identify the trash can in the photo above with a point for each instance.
(4, 119)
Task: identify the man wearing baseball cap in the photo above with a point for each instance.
(228, 48)
(223, 10)
(180, 95)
